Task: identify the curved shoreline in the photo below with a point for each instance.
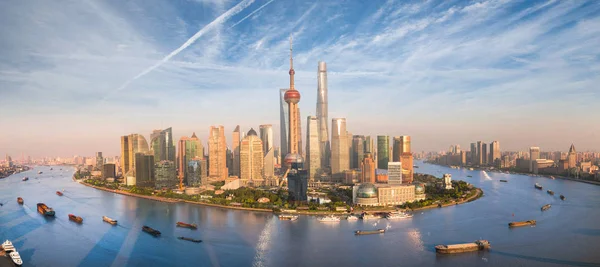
(470, 199)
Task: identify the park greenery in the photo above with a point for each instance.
(437, 195)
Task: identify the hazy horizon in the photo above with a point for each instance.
(76, 77)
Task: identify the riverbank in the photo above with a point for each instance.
(470, 199)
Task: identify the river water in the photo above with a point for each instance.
(568, 234)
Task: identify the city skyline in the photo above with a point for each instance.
(86, 88)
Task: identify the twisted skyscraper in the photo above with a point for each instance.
(324, 144)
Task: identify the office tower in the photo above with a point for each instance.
(350, 150)
(162, 146)
(394, 173)
(196, 173)
(572, 157)
(165, 174)
(251, 158)
(229, 161)
(236, 151)
(144, 170)
(284, 123)
(479, 158)
(383, 146)
(108, 171)
(484, 154)
(534, 153)
(358, 151)
(396, 149)
(297, 178)
(266, 135)
(269, 164)
(99, 161)
(124, 155)
(313, 145)
(339, 149)
(405, 141)
(182, 159)
(322, 115)
(494, 157)
(473, 153)
(299, 134)
(136, 143)
(369, 146)
(407, 167)
(367, 167)
(217, 153)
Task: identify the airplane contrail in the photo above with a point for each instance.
(258, 9)
(225, 16)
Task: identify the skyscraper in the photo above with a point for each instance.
(350, 150)
(182, 161)
(339, 149)
(473, 154)
(266, 136)
(236, 151)
(313, 145)
(397, 149)
(99, 161)
(383, 146)
(217, 153)
(284, 124)
(572, 157)
(495, 154)
(367, 167)
(144, 170)
(124, 159)
(165, 174)
(135, 143)
(534, 153)
(484, 154)
(251, 158)
(395, 172)
(196, 172)
(161, 145)
(322, 114)
(358, 151)
(479, 158)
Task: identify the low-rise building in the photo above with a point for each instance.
(447, 181)
(368, 194)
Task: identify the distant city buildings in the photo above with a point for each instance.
(217, 154)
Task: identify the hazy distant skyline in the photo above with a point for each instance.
(75, 77)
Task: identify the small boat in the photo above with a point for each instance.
(59, 193)
(504, 181)
(109, 220)
(459, 248)
(470, 169)
(8, 250)
(398, 215)
(25, 179)
(151, 231)
(45, 210)
(51, 168)
(562, 197)
(538, 186)
(469, 175)
(352, 218)
(550, 192)
(524, 223)
(329, 218)
(190, 239)
(76, 219)
(187, 225)
(546, 207)
(415, 166)
(288, 217)
(20, 200)
(372, 232)
(40, 172)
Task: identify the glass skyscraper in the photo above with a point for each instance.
(383, 154)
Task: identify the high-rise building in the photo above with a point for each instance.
(251, 158)
(479, 158)
(269, 164)
(124, 154)
(407, 167)
(495, 154)
(284, 124)
(473, 158)
(162, 145)
(99, 161)
(165, 174)
(144, 170)
(394, 172)
(358, 151)
(339, 149)
(196, 173)
(266, 135)
(368, 169)
(369, 146)
(297, 178)
(108, 170)
(135, 143)
(383, 146)
(484, 154)
(217, 153)
(236, 151)
(313, 145)
(350, 150)
(299, 134)
(322, 115)
(534, 153)
(397, 149)
(182, 159)
(572, 157)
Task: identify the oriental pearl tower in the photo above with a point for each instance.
(292, 97)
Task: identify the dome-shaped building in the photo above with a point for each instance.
(419, 191)
(366, 195)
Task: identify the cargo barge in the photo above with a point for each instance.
(25, 179)
(460, 248)
(20, 200)
(504, 181)
(524, 223)
(9, 255)
(187, 225)
(550, 192)
(190, 239)
(59, 193)
(372, 232)
(109, 220)
(546, 207)
(562, 197)
(45, 210)
(151, 231)
(538, 186)
(288, 217)
(76, 219)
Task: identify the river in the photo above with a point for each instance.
(568, 234)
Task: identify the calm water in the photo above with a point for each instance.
(566, 235)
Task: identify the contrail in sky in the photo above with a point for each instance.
(219, 20)
(258, 9)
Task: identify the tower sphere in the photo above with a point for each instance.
(292, 96)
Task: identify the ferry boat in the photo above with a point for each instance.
(9, 251)
(562, 197)
(109, 220)
(20, 200)
(546, 207)
(372, 232)
(25, 179)
(288, 217)
(504, 181)
(460, 248)
(190, 239)
(352, 218)
(550, 192)
(329, 218)
(367, 216)
(151, 231)
(59, 193)
(538, 186)
(398, 215)
(45, 210)
(76, 219)
(470, 169)
(524, 223)
(187, 225)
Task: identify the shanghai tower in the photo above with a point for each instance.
(324, 144)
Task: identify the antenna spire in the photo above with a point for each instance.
(292, 72)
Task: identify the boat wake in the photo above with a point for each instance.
(486, 176)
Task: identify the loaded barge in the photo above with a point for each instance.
(45, 210)
(20, 200)
(187, 225)
(373, 232)
(550, 192)
(151, 231)
(109, 220)
(524, 223)
(76, 219)
(460, 248)
(546, 207)
(190, 239)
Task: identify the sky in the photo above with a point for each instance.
(76, 75)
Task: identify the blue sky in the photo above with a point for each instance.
(76, 75)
